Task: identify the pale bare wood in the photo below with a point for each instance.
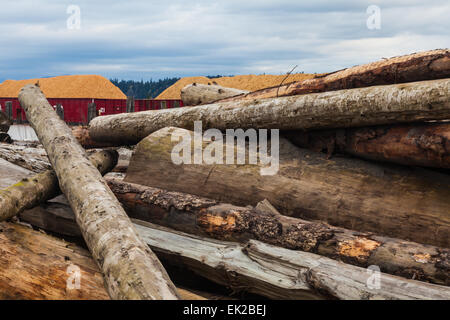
(197, 93)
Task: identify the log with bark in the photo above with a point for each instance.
(81, 133)
(34, 159)
(29, 192)
(400, 202)
(129, 267)
(418, 144)
(416, 101)
(428, 65)
(275, 272)
(196, 93)
(206, 217)
(38, 266)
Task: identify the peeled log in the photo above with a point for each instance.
(130, 269)
(29, 192)
(426, 100)
(399, 202)
(428, 65)
(196, 93)
(34, 159)
(418, 144)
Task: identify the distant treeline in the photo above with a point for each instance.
(147, 89)
(144, 89)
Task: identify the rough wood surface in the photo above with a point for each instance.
(206, 217)
(129, 267)
(81, 133)
(197, 93)
(34, 159)
(35, 266)
(395, 201)
(279, 273)
(29, 192)
(419, 144)
(428, 65)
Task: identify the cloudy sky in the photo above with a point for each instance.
(154, 39)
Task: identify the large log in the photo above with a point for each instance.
(206, 217)
(38, 266)
(401, 202)
(29, 192)
(278, 273)
(81, 133)
(428, 65)
(129, 267)
(418, 144)
(196, 93)
(426, 100)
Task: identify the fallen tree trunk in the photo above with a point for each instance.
(428, 65)
(206, 217)
(34, 159)
(418, 144)
(130, 269)
(394, 201)
(38, 266)
(280, 273)
(417, 101)
(196, 93)
(81, 133)
(29, 192)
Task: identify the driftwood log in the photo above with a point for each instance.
(29, 192)
(37, 266)
(130, 269)
(206, 217)
(418, 144)
(196, 93)
(395, 201)
(34, 159)
(426, 100)
(428, 65)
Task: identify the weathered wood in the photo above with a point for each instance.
(5, 138)
(428, 65)
(129, 267)
(81, 133)
(426, 100)
(419, 144)
(34, 159)
(280, 273)
(401, 202)
(206, 217)
(197, 93)
(38, 266)
(29, 192)
(5, 122)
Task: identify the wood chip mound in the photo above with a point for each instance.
(73, 86)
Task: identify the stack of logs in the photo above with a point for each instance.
(359, 207)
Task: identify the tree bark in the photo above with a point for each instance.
(417, 101)
(428, 65)
(400, 202)
(130, 269)
(196, 93)
(279, 273)
(206, 217)
(418, 144)
(29, 192)
(81, 133)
